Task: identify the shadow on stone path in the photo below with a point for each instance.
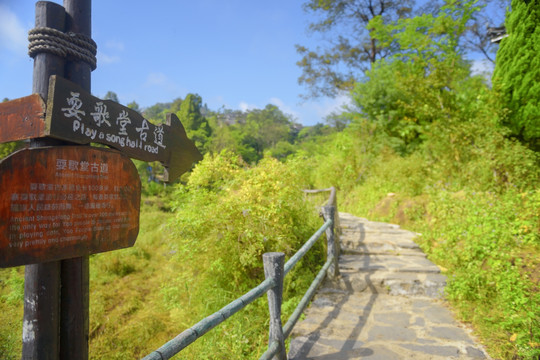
(385, 304)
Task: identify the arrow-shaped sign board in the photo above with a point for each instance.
(74, 115)
(22, 118)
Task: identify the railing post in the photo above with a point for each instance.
(332, 248)
(273, 268)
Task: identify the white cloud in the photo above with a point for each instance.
(245, 106)
(115, 45)
(112, 55)
(307, 113)
(107, 59)
(285, 108)
(315, 111)
(158, 87)
(156, 79)
(13, 36)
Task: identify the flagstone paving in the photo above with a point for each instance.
(386, 304)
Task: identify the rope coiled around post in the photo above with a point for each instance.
(67, 45)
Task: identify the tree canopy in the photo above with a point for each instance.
(419, 84)
(196, 125)
(352, 46)
(111, 95)
(517, 72)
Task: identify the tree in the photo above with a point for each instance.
(421, 82)
(135, 106)
(517, 72)
(8, 148)
(268, 126)
(196, 125)
(111, 95)
(352, 47)
(253, 132)
(156, 113)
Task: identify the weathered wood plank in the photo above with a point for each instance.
(75, 115)
(22, 118)
(75, 272)
(64, 202)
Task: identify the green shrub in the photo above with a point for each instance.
(487, 242)
(234, 215)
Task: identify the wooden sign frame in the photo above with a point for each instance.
(65, 202)
(73, 114)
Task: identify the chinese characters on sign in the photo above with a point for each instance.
(75, 115)
(89, 119)
(72, 114)
(71, 206)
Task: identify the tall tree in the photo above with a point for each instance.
(332, 69)
(406, 92)
(111, 95)
(157, 112)
(135, 106)
(268, 126)
(196, 125)
(253, 132)
(517, 72)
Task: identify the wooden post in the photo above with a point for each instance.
(74, 323)
(273, 268)
(42, 281)
(329, 212)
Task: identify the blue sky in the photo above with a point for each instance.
(238, 54)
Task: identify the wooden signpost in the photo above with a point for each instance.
(74, 115)
(59, 202)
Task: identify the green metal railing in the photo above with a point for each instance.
(275, 272)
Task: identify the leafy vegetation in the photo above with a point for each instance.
(517, 72)
(349, 47)
(191, 261)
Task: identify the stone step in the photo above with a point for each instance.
(378, 246)
(387, 282)
(390, 263)
(361, 234)
(367, 326)
(381, 249)
(372, 237)
(383, 305)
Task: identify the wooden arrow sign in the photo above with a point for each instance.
(74, 115)
(22, 118)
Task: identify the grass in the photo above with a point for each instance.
(143, 296)
(489, 244)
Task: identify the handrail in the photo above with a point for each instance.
(331, 200)
(275, 272)
(188, 336)
(305, 248)
(287, 329)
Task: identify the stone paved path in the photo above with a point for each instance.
(385, 305)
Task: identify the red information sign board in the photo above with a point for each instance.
(64, 202)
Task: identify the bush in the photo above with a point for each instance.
(234, 215)
(487, 242)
